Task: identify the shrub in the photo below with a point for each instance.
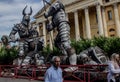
(7, 55)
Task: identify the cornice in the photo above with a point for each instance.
(82, 4)
(111, 2)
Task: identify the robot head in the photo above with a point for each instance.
(21, 53)
(26, 16)
(84, 57)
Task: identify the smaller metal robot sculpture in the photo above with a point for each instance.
(59, 20)
(93, 56)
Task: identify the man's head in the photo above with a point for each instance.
(26, 16)
(56, 61)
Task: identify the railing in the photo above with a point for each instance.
(82, 73)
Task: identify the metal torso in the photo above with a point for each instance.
(58, 17)
(23, 31)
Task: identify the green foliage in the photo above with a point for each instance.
(56, 51)
(46, 50)
(99, 41)
(7, 55)
(112, 45)
(109, 45)
(48, 53)
(81, 45)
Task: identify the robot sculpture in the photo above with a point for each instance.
(22, 29)
(59, 21)
(29, 38)
(92, 55)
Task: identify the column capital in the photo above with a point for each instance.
(115, 4)
(75, 11)
(98, 5)
(86, 10)
(86, 7)
(103, 7)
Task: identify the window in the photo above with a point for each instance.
(109, 15)
(110, 30)
(107, 0)
(96, 18)
(112, 35)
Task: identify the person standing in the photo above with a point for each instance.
(54, 73)
(114, 69)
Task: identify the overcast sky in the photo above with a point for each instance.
(11, 12)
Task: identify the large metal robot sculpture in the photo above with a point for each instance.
(59, 21)
(29, 39)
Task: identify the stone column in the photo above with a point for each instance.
(100, 24)
(51, 40)
(77, 32)
(87, 20)
(67, 17)
(104, 23)
(38, 28)
(44, 33)
(117, 22)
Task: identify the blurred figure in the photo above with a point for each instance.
(54, 73)
(7, 72)
(114, 69)
(5, 42)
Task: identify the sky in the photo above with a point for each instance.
(11, 13)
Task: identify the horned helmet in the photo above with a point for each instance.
(26, 16)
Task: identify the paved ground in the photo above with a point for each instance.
(16, 80)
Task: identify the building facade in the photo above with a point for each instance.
(88, 19)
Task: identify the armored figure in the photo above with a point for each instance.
(22, 29)
(59, 20)
(29, 38)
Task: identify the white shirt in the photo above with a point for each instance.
(112, 71)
